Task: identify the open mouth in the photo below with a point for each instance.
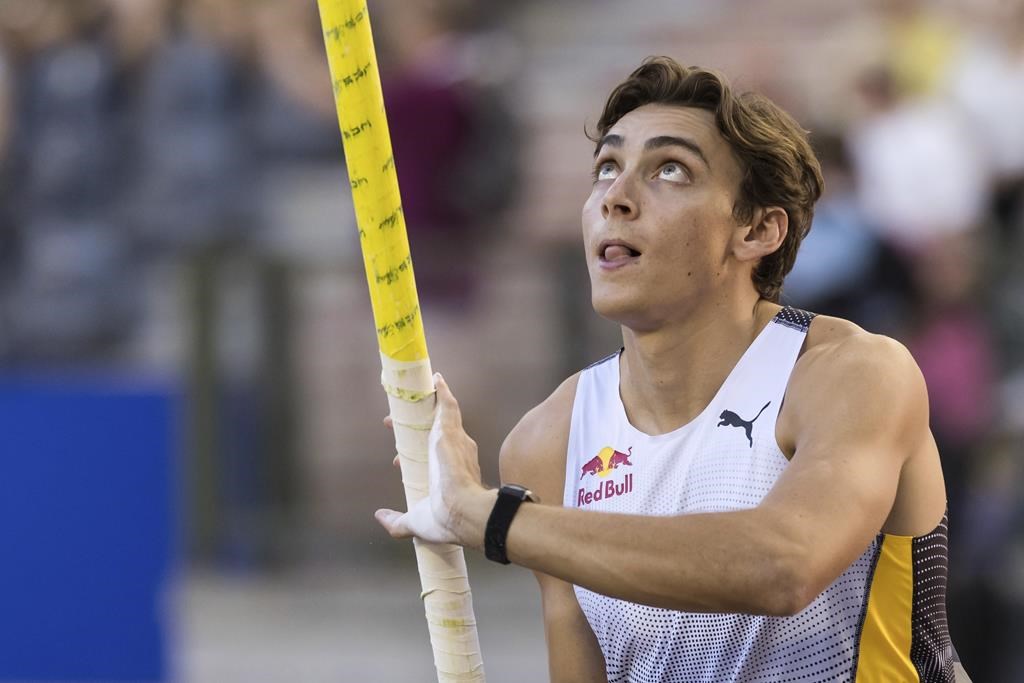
(616, 251)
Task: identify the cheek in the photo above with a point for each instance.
(682, 237)
(592, 206)
(591, 213)
(689, 249)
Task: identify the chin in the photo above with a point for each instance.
(619, 307)
(638, 308)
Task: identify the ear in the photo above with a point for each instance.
(763, 236)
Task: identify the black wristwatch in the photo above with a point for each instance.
(510, 497)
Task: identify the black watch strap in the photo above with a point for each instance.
(510, 497)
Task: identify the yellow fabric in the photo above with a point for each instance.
(885, 639)
(371, 173)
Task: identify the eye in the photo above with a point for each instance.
(606, 170)
(673, 171)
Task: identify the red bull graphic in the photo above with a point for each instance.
(593, 466)
(620, 458)
(607, 489)
(602, 465)
(607, 460)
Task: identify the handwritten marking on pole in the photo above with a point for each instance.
(388, 165)
(391, 276)
(358, 182)
(334, 33)
(352, 78)
(391, 221)
(356, 129)
(407, 320)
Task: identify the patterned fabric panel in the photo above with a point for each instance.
(794, 318)
(649, 645)
(931, 650)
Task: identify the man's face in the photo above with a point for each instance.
(658, 225)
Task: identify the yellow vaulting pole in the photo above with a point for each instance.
(407, 377)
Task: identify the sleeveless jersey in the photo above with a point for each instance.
(883, 619)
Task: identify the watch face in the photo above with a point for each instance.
(520, 492)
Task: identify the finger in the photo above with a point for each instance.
(447, 407)
(388, 422)
(397, 461)
(393, 522)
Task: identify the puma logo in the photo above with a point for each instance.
(731, 419)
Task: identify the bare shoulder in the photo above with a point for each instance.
(838, 349)
(846, 371)
(533, 453)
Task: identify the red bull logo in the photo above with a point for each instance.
(602, 465)
(593, 466)
(607, 460)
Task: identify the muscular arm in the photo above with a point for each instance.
(856, 418)
(857, 411)
(533, 455)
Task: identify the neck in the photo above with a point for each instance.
(669, 375)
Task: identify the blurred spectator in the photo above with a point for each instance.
(954, 348)
(294, 139)
(8, 234)
(191, 175)
(922, 42)
(70, 293)
(987, 83)
(840, 252)
(987, 598)
(137, 28)
(918, 172)
(953, 344)
(67, 117)
(455, 143)
(6, 97)
(295, 113)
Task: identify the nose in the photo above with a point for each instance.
(618, 200)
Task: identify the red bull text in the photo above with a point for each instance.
(607, 489)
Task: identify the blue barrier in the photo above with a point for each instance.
(88, 528)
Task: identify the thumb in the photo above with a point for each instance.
(447, 406)
(394, 522)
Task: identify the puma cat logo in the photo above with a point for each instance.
(731, 419)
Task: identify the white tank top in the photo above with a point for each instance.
(725, 459)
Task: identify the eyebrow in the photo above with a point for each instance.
(656, 142)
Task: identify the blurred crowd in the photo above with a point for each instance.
(135, 131)
(187, 146)
(920, 236)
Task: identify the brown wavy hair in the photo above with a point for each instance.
(778, 165)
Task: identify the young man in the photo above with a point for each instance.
(745, 492)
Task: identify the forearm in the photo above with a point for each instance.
(721, 562)
(573, 651)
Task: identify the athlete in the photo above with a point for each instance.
(745, 492)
